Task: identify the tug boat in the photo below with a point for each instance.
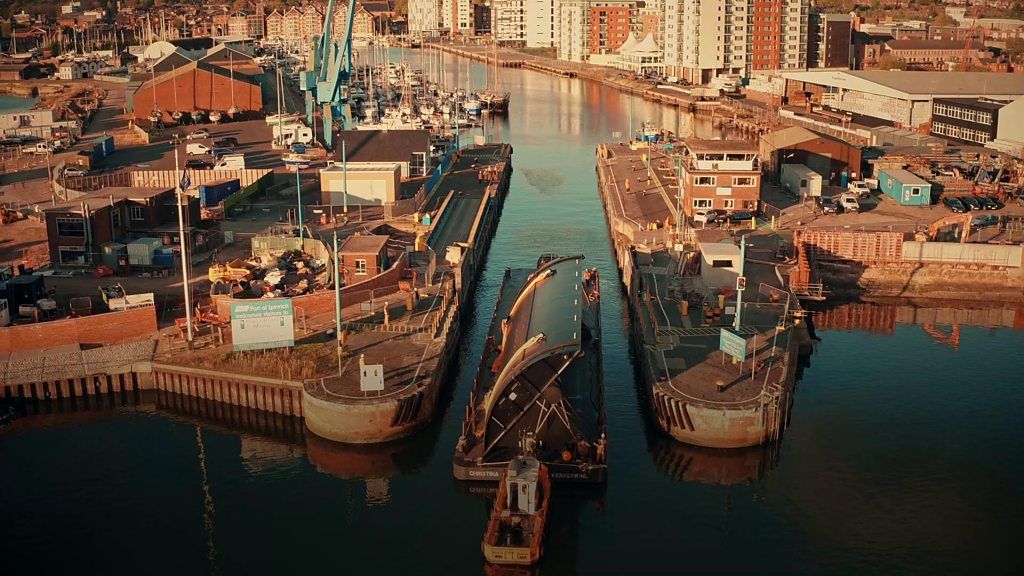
(515, 531)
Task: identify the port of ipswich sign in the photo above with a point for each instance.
(260, 324)
(732, 344)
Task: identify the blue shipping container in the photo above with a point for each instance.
(105, 145)
(213, 193)
(163, 260)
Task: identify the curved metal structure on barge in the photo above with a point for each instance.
(540, 374)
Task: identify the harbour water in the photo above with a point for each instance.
(902, 455)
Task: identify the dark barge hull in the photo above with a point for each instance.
(540, 373)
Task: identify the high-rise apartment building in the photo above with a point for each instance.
(542, 26)
(830, 41)
(509, 21)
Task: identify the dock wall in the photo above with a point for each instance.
(107, 328)
(267, 394)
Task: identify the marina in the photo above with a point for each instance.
(604, 385)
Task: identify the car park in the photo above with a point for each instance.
(954, 204)
(226, 142)
(217, 153)
(984, 221)
(198, 134)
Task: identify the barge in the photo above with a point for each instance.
(540, 374)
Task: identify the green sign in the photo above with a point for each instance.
(260, 324)
(732, 344)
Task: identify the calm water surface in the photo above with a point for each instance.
(903, 454)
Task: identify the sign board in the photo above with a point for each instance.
(259, 324)
(371, 377)
(732, 344)
(741, 283)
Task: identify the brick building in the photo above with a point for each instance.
(824, 154)
(936, 54)
(720, 174)
(77, 229)
(362, 257)
(608, 26)
(197, 86)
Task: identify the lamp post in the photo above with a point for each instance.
(298, 196)
(182, 243)
(739, 293)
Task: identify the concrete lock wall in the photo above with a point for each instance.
(109, 328)
(1008, 256)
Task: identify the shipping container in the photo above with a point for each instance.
(105, 145)
(213, 193)
(112, 253)
(801, 180)
(140, 252)
(907, 188)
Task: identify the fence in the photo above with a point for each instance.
(998, 255)
(863, 247)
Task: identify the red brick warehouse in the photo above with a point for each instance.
(198, 86)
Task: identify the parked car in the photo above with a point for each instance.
(198, 164)
(738, 217)
(72, 171)
(860, 188)
(987, 203)
(849, 202)
(998, 203)
(971, 202)
(226, 142)
(954, 204)
(984, 221)
(197, 149)
(218, 152)
(829, 205)
(197, 134)
(705, 216)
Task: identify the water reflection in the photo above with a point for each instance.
(715, 466)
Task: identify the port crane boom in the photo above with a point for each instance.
(326, 82)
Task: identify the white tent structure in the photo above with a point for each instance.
(642, 57)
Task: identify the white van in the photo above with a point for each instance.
(195, 148)
(230, 162)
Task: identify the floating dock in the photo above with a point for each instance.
(540, 374)
(698, 394)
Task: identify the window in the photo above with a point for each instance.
(361, 267)
(729, 204)
(915, 191)
(702, 203)
(136, 213)
(742, 180)
(721, 263)
(115, 218)
(704, 181)
(72, 255)
(70, 227)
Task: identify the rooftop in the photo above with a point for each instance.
(904, 176)
(383, 145)
(363, 244)
(920, 44)
(105, 196)
(923, 85)
(697, 145)
(974, 102)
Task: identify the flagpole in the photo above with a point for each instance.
(181, 238)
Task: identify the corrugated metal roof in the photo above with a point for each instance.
(913, 85)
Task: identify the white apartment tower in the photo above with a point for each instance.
(425, 16)
(573, 30)
(508, 21)
(707, 38)
(542, 26)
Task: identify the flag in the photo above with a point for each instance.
(185, 183)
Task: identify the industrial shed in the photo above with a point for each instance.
(901, 97)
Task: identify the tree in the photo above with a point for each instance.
(943, 19)
(889, 62)
(1014, 49)
(54, 49)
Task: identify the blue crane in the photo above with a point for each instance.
(326, 84)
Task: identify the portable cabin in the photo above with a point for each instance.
(905, 187)
(801, 180)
